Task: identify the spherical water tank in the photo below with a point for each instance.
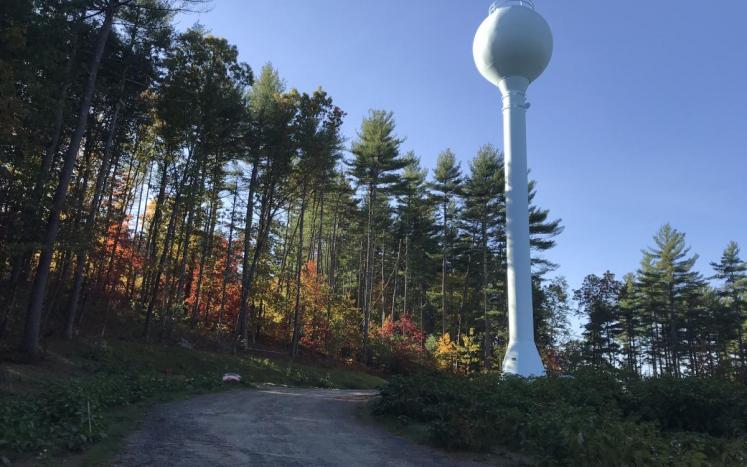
(514, 40)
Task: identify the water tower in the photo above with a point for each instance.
(512, 48)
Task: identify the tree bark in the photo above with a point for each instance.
(443, 274)
(367, 276)
(245, 272)
(30, 341)
(297, 312)
(229, 257)
(206, 250)
(82, 254)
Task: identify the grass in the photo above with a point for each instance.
(123, 421)
(76, 406)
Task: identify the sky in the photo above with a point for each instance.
(639, 120)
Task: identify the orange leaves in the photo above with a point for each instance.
(402, 335)
(317, 303)
(330, 324)
(314, 290)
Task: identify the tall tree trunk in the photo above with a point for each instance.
(287, 235)
(464, 298)
(109, 284)
(151, 244)
(486, 336)
(155, 285)
(245, 273)
(89, 228)
(443, 274)
(383, 285)
(22, 259)
(30, 341)
(673, 331)
(319, 266)
(229, 257)
(407, 276)
(156, 280)
(332, 255)
(206, 251)
(138, 236)
(360, 300)
(396, 273)
(267, 214)
(297, 312)
(368, 273)
(195, 194)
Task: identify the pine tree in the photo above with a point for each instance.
(272, 152)
(731, 270)
(630, 323)
(670, 278)
(551, 319)
(598, 300)
(317, 133)
(34, 312)
(417, 224)
(445, 187)
(482, 216)
(375, 167)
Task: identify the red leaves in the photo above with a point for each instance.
(402, 335)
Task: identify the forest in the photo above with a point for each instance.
(169, 214)
(153, 186)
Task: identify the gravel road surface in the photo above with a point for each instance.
(272, 426)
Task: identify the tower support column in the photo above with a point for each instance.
(522, 357)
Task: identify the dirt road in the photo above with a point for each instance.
(272, 427)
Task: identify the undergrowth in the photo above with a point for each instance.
(74, 416)
(589, 419)
(52, 414)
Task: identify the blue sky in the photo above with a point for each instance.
(639, 120)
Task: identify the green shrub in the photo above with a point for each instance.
(72, 417)
(122, 373)
(591, 419)
(712, 406)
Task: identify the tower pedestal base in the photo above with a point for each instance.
(523, 359)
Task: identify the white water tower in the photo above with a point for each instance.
(512, 48)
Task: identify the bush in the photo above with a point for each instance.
(712, 406)
(396, 347)
(590, 419)
(72, 417)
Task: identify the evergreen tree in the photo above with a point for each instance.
(731, 270)
(178, 144)
(552, 309)
(272, 151)
(598, 301)
(375, 167)
(672, 278)
(481, 217)
(630, 323)
(416, 215)
(445, 186)
(542, 233)
(32, 328)
(317, 133)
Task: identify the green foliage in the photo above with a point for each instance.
(588, 419)
(376, 150)
(71, 415)
(664, 320)
(74, 416)
(706, 405)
